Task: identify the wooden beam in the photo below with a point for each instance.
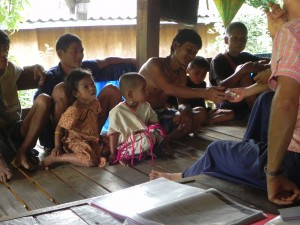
(147, 33)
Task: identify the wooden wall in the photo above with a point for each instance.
(28, 46)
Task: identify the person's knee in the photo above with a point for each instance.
(43, 101)
(59, 92)
(110, 90)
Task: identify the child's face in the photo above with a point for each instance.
(140, 93)
(72, 58)
(86, 90)
(197, 74)
(3, 57)
(236, 41)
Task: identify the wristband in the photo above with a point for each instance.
(273, 174)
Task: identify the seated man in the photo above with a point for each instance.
(167, 77)
(233, 68)
(273, 166)
(70, 52)
(17, 137)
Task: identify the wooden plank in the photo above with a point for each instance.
(60, 217)
(148, 27)
(22, 187)
(8, 203)
(104, 178)
(78, 182)
(92, 215)
(212, 135)
(21, 221)
(57, 190)
(45, 210)
(128, 174)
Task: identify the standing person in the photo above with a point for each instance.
(167, 77)
(233, 68)
(70, 52)
(272, 166)
(197, 70)
(77, 135)
(17, 137)
(134, 132)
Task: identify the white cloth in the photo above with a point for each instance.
(124, 120)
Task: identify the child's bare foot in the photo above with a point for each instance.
(5, 173)
(48, 161)
(170, 176)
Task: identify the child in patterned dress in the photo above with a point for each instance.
(134, 132)
(77, 135)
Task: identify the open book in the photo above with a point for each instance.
(162, 201)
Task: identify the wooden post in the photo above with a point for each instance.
(147, 32)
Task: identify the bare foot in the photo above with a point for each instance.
(48, 161)
(5, 173)
(170, 176)
(22, 160)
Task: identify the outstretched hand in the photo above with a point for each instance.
(282, 191)
(235, 94)
(216, 94)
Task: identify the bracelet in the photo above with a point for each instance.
(273, 174)
(57, 132)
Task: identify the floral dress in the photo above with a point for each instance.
(82, 132)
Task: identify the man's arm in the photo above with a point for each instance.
(285, 105)
(241, 71)
(158, 77)
(113, 60)
(31, 77)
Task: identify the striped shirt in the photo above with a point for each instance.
(286, 62)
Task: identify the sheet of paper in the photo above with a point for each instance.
(143, 197)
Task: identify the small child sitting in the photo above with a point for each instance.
(197, 70)
(77, 135)
(134, 132)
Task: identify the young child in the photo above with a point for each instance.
(197, 70)
(134, 132)
(77, 135)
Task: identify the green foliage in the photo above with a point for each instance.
(255, 20)
(259, 3)
(12, 13)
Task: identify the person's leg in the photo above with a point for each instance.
(64, 158)
(31, 127)
(198, 117)
(108, 97)
(239, 162)
(258, 123)
(61, 101)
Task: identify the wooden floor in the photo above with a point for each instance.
(29, 191)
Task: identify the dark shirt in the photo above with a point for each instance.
(55, 75)
(195, 102)
(220, 67)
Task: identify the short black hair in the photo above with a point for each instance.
(72, 80)
(128, 81)
(187, 35)
(4, 39)
(236, 25)
(64, 41)
(199, 61)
